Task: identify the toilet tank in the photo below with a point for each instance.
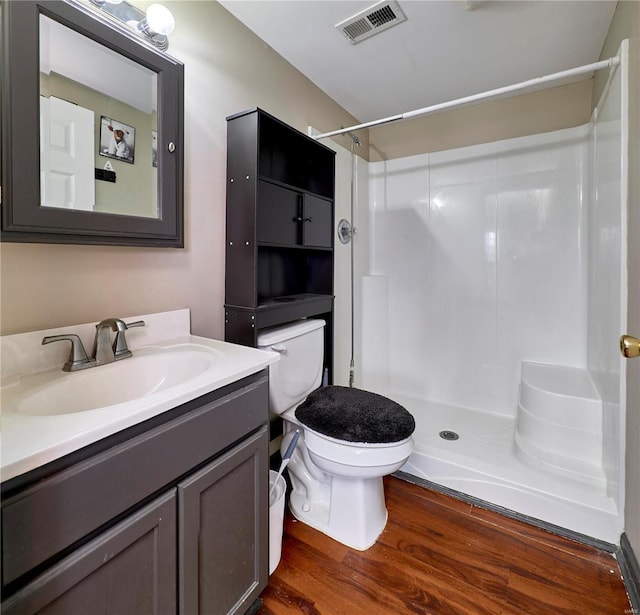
(299, 370)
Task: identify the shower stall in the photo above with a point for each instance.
(489, 295)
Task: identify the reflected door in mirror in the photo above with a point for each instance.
(66, 155)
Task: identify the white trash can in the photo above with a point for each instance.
(276, 519)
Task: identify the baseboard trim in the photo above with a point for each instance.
(255, 607)
(512, 514)
(630, 569)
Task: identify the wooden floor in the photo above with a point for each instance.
(441, 555)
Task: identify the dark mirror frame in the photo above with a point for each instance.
(23, 219)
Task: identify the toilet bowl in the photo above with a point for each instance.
(336, 479)
(356, 460)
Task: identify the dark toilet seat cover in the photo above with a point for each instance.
(354, 415)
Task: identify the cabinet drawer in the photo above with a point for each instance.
(88, 495)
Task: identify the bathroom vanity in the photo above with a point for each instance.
(169, 515)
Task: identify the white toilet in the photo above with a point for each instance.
(336, 480)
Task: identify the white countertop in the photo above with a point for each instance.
(29, 441)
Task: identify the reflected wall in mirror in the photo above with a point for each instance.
(100, 114)
(78, 104)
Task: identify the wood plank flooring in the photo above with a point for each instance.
(441, 555)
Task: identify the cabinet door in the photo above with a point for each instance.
(317, 226)
(128, 569)
(278, 211)
(223, 531)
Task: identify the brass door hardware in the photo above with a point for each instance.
(630, 346)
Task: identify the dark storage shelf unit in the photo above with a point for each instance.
(280, 220)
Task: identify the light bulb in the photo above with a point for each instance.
(160, 20)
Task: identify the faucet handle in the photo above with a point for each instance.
(120, 349)
(78, 358)
(137, 323)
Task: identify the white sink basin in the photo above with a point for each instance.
(50, 413)
(150, 370)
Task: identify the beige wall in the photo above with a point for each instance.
(227, 69)
(542, 111)
(626, 25)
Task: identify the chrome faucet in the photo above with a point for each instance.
(104, 351)
(120, 350)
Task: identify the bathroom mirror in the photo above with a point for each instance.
(92, 130)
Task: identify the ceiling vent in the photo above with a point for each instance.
(375, 19)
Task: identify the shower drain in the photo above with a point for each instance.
(449, 435)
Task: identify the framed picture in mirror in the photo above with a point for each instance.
(117, 140)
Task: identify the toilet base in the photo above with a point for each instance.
(354, 513)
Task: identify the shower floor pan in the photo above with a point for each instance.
(484, 462)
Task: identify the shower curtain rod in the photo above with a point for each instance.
(572, 72)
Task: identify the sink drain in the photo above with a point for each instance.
(449, 435)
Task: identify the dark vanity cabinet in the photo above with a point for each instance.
(280, 220)
(170, 516)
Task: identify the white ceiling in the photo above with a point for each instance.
(442, 52)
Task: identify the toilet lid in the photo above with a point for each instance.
(354, 415)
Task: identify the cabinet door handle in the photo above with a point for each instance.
(307, 219)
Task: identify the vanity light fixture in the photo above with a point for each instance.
(155, 25)
(158, 20)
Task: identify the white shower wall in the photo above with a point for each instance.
(476, 261)
(607, 317)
